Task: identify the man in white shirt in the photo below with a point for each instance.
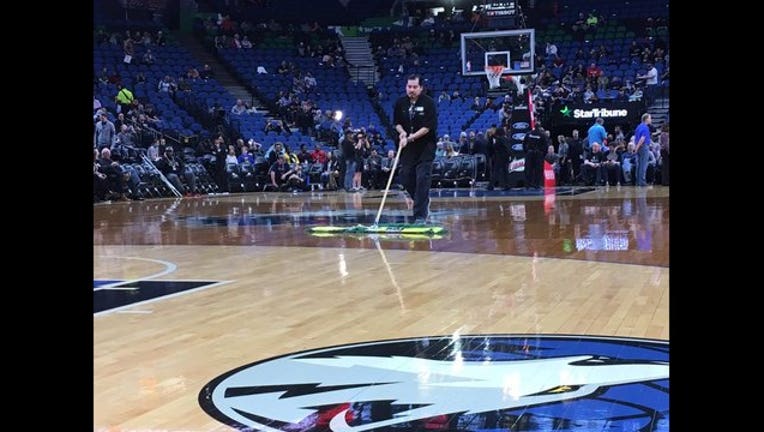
(651, 83)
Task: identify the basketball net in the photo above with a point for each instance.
(493, 74)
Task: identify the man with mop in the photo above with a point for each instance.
(416, 119)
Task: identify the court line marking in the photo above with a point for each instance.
(152, 300)
(135, 311)
(169, 268)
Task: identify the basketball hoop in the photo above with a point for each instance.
(493, 74)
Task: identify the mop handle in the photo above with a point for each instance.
(387, 188)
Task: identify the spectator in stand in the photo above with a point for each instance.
(192, 74)
(619, 134)
(103, 77)
(505, 114)
(100, 180)
(651, 83)
(239, 108)
(440, 148)
(236, 41)
(220, 170)
(664, 143)
(282, 175)
(274, 125)
(146, 39)
(310, 81)
(479, 143)
(160, 39)
(463, 145)
(596, 133)
(148, 58)
(206, 72)
(275, 152)
(153, 151)
(629, 162)
(476, 104)
(447, 141)
(173, 167)
(128, 50)
(576, 154)
(331, 172)
(117, 180)
(593, 168)
(593, 73)
(589, 95)
(611, 165)
(304, 155)
(166, 85)
(105, 133)
(564, 161)
(183, 84)
(231, 158)
(636, 96)
(500, 155)
(318, 154)
(291, 156)
(373, 171)
(553, 159)
(551, 51)
(450, 151)
(125, 141)
(124, 99)
(283, 68)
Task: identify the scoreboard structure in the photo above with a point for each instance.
(500, 14)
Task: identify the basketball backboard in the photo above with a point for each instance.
(513, 49)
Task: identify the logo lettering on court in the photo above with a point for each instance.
(481, 382)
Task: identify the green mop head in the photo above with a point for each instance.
(424, 230)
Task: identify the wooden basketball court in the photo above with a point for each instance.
(253, 284)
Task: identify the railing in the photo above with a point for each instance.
(357, 71)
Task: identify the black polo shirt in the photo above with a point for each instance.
(412, 117)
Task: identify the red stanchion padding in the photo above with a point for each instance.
(549, 188)
(549, 180)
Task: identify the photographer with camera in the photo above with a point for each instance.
(359, 154)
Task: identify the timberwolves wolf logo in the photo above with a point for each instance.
(465, 383)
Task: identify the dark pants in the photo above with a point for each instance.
(221, 178)
(564, 174)
(664, 168)
(642, 159)
(534, 167)
(575, 165)
(500, 174)
(416, 176)
(593, 176)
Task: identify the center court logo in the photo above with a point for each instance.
(486, 382)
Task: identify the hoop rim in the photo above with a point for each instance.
(494, 69)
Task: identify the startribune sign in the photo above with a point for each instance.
(600, 112)
(579, 114)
